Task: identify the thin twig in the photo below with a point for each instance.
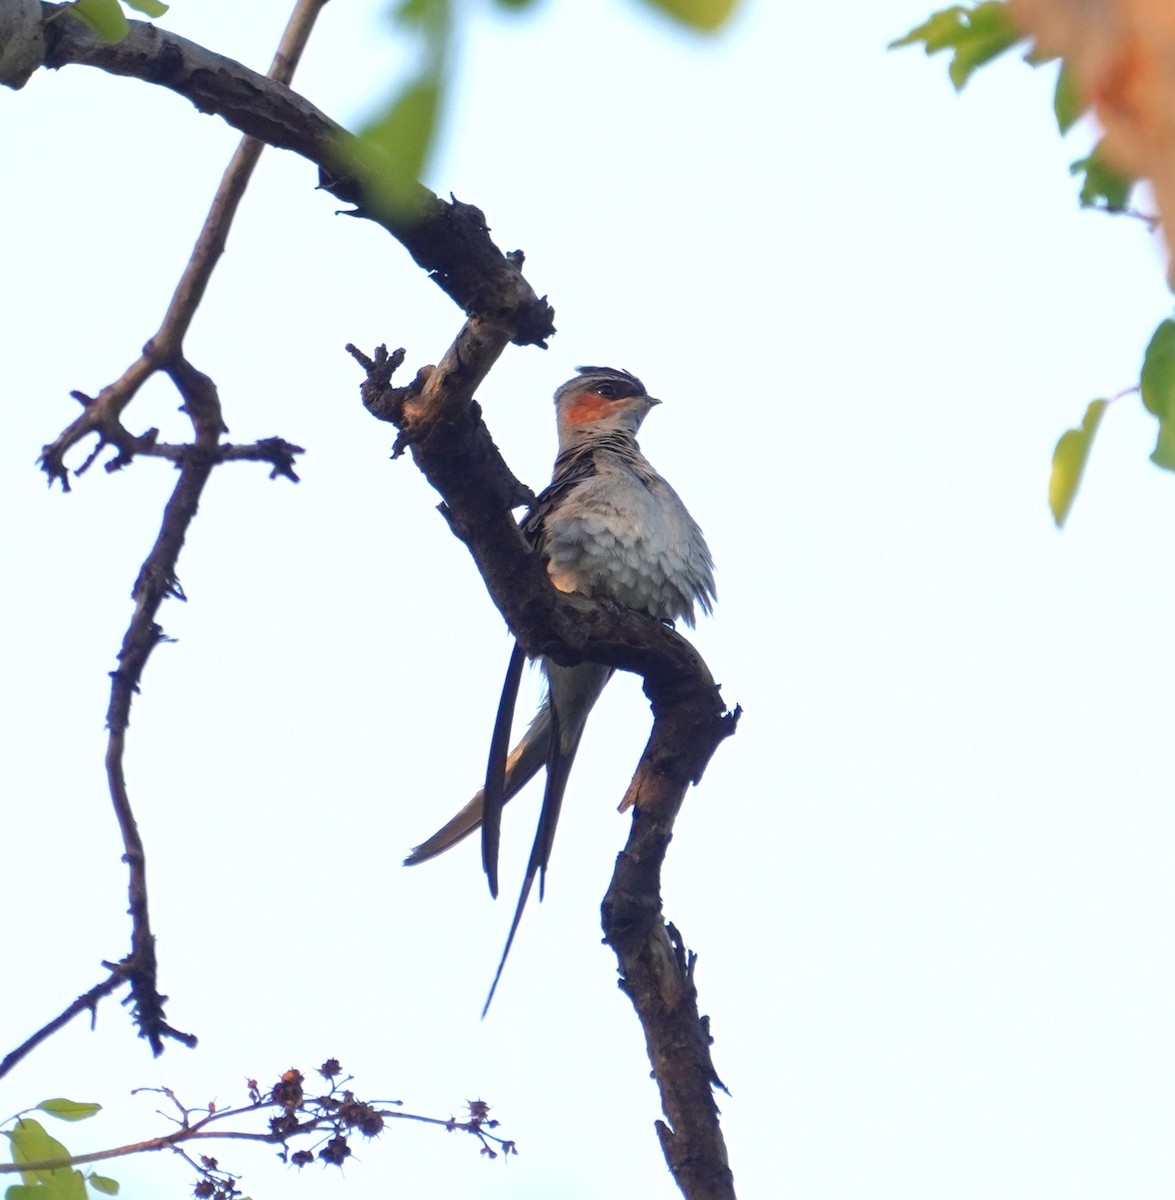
(322, 1115)
(156, 581)
(88, 1001)
(157, 578)
(449, 240)
(102, 414)
(276, 451)
(211, 242)
(196, 1133)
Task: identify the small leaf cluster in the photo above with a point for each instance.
(1103, 185)
(980, 33)
(1156, 388)
(974, 35)
(32, 1144)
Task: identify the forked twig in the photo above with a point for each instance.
(157, 579)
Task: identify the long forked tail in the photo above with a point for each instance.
(550, 741)
(494, 792)
(522, 765)
(573, 692)
(558, 771)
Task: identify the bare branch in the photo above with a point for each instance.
(87, 1002)
(657, 973)
(102, 415)
(338, 1112)
(448, 240)
(157, 580)
(111, 433)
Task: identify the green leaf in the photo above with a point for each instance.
(405, 132)
(32, 1143)
(150, 8)
(421, 12)
(389, 155)
(1104, 186)
(103, 1184)
(69, 1110)
(22, 1191)
(1158, 391)
(976, 35)
(515, 5)
(1069, 459)
(939, 31)
(990, 32)
(1067, 102)
(706, 15)
(104, 17)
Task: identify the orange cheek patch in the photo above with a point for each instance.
(586, 406)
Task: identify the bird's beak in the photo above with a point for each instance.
(652, 400)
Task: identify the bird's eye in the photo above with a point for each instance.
(608, 390)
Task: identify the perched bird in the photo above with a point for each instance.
(608, 525)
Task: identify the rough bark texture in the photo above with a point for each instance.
(656, 970)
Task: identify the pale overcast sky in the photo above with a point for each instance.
(929, 882)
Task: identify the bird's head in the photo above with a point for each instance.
(600, 400)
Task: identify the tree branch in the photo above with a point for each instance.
(102, 416)
(88, 1001)
(441, 424)
(339, 1112)
(448, 240)
(157, 579)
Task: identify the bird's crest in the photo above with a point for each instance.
(620, 383)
